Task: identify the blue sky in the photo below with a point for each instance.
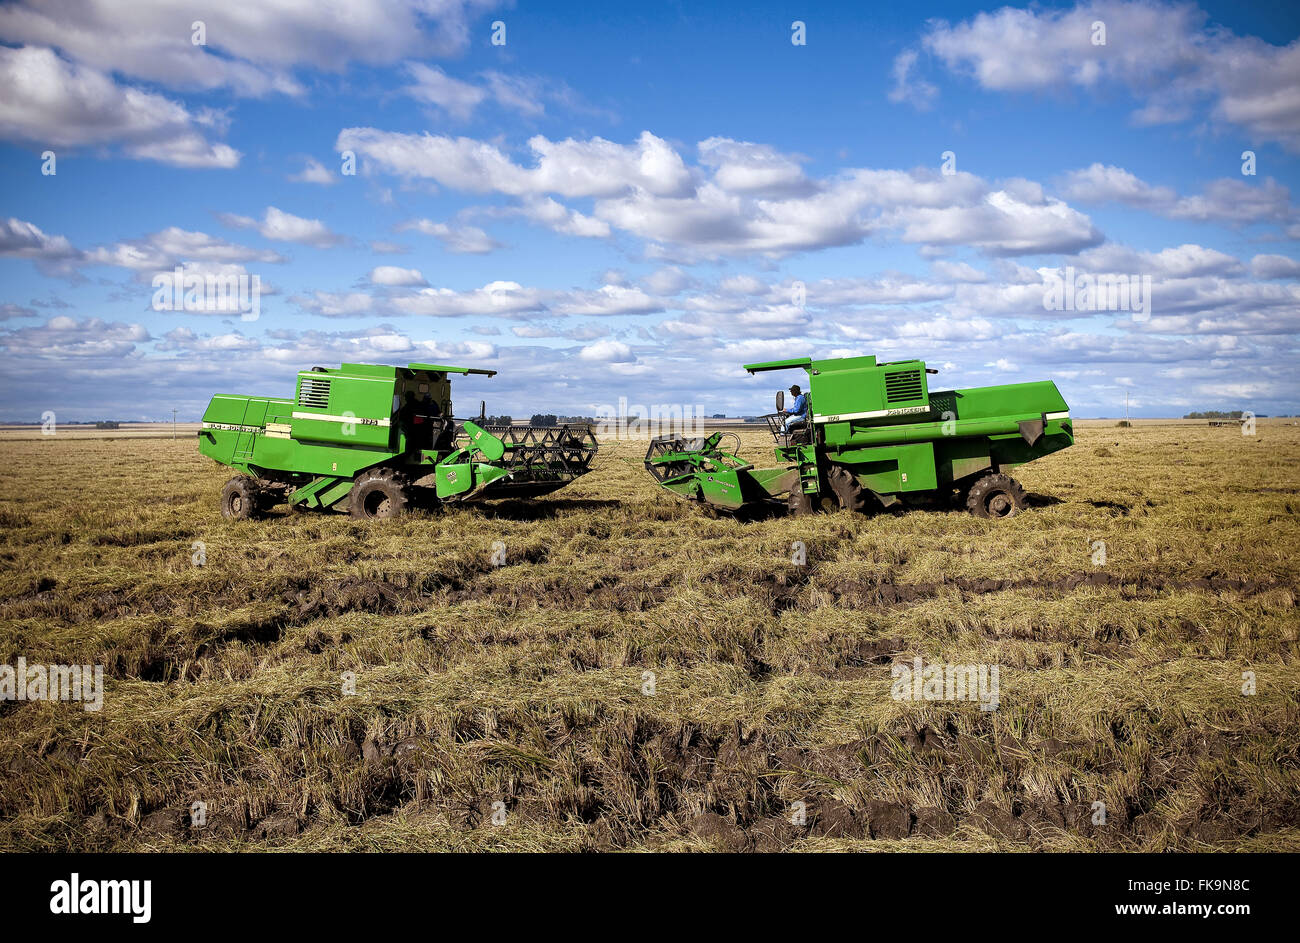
(622, 203)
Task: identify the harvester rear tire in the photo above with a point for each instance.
(240, 499)
(379, 493)
(995, 496)
(847, 490)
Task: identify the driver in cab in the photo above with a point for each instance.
(419, 418)
(798, 409)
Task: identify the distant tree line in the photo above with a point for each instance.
(1220, 414)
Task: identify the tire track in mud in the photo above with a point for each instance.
(887, 593)
(622, 779)
(294, 601)
(781, 590)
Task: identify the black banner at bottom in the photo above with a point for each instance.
(144, 893)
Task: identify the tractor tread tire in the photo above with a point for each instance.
(847, 490)
(995, 497)
(799, 502)
(379, 493)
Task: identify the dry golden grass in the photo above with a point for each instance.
(523, 684)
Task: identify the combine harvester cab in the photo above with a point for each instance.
(377, 440)
(876, 435)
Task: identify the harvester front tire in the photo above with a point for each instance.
(240, 499)
(995, 496)
(377, 494)
(848, 492)
(799, 502)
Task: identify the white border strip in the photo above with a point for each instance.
(873, 414)
(231, 427)
(1064, 415)
(359, 420)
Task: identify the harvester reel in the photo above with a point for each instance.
(995, 496)
(240, 499)
(379, 493)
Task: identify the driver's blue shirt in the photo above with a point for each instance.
(799, 408)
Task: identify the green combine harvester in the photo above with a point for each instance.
(875, 436)
(377, 440)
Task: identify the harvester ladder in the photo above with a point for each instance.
(808, 477)
(243, 438)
